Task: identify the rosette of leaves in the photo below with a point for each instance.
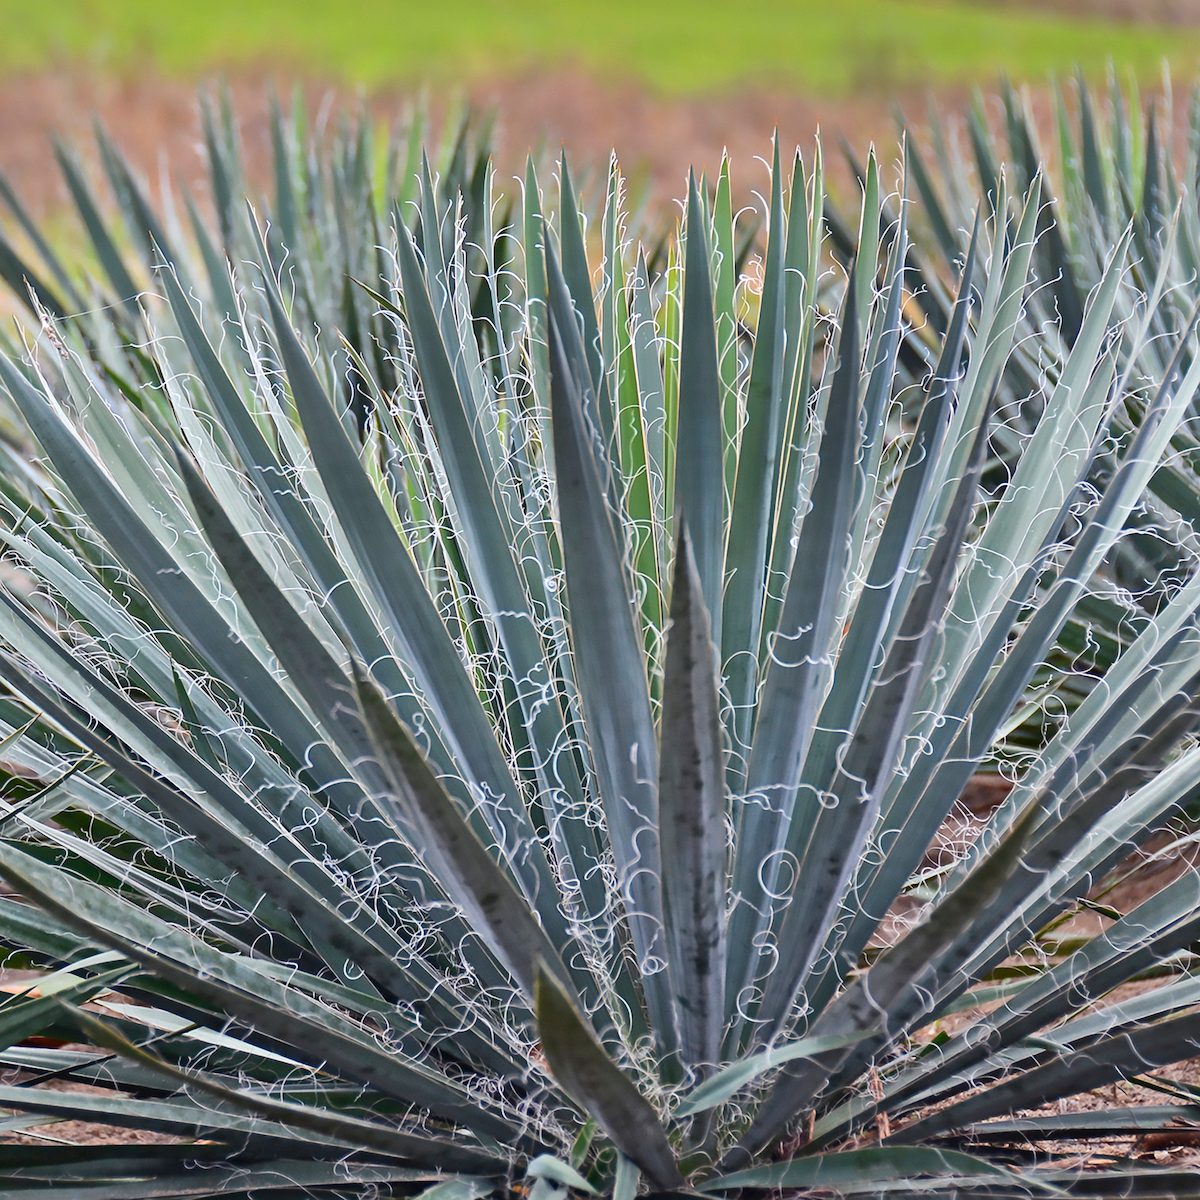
(500, 741)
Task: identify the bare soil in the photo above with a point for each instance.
(1154, 12)
(656, 137)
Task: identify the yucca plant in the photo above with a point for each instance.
(1112, 166)
(502, 747)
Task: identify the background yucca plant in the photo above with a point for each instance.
(481, 708)
(1117, 164)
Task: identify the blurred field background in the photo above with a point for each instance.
(673, 45)
(666, 82)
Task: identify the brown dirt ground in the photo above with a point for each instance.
(1159, 12)
(657, 138)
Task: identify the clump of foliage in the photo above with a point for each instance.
(483, 708)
